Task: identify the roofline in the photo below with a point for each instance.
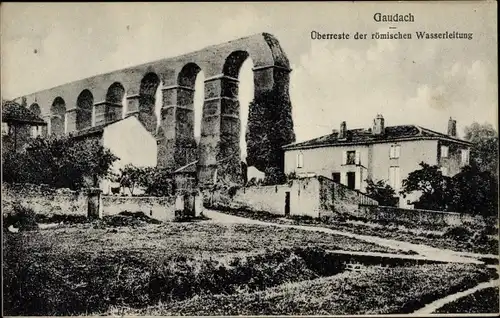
(330, 144)
(185, 166)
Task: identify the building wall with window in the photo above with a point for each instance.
(391, 162)
(332, 162)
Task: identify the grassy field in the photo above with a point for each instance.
(206, 268)
(414, 235)
(483, 301)
(372, 291)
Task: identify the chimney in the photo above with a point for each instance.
(378, 125)
(343, 130)
(452, 127)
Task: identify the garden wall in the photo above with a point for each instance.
(48, 201)
(44, 200)
(337, 198)
(303, 194)
(160, 208)
(416, 216)
(311, 196)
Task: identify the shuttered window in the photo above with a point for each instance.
(300, 160)
(465, 157)
(394, 178)
(395, 151)
(444, 151)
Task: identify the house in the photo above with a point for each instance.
(126, 138)
(350, 157)
(19, 125)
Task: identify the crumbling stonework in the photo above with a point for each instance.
(175, 77)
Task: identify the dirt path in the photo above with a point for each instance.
(432, 307)
(428, 252)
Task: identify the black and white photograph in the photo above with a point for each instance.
(249, 158)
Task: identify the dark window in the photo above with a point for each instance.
(336, 177)
(351, 180)
(351, 157)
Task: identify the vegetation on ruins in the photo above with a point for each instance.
(270, 126)
(484, 153)
(60, 162)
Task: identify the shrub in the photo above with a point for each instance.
(232, 191)
(21, 217)
(460, 233)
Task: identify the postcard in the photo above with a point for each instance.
(250, 159)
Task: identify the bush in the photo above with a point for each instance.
(459, 233)
(21, 217)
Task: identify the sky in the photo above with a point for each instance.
(422, 82)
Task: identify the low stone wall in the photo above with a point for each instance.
(48, 201)
(44, 200)
(337, 198)
(160, 208)
(312, 196)
(416, 216)
(303, 198)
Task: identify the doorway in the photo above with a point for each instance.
(287, 203)
(336, 177)
(351, 180)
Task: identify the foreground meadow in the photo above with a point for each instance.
(207, 268)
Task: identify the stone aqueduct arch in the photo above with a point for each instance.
(92, 101)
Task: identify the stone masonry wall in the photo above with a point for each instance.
(160, 208)
(415, 216)
(337, 198)
(48, 201)
(44, 200)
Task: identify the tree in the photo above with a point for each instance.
(156, 181)
(270, 126)
(60, 162)
(130, 177)
(470, 191)
(474, 192)
(382, 192)
(431, 183)
(484, 153)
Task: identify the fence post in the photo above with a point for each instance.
(94, 203)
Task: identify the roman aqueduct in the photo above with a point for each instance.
(99, 99)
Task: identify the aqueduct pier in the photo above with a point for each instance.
(102, 98)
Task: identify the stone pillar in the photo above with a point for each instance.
(198, 206)
(132, 105)
(178, 146)
(106, 112)
(46, 129)
(99, 112)
(220, 131)
(94, 201)
(70, 122)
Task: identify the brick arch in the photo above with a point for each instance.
(35, 109)
(57, 116)
(115, 93)
(271, 74)
(84, 108)
(147, 99)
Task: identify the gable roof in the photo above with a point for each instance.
(365, 136)
(99, 129)
(14, 112)
(92, 131)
